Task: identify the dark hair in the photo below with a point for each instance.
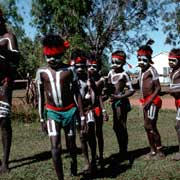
(78, 53)
(120, 53)
(53, 40)
(175, 52)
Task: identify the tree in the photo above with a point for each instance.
(31, 57)
(63, 16)
(13, 18)
(170, 15)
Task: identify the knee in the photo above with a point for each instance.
(72, 144)
(149, 129)
(56, 152)
(5, 124)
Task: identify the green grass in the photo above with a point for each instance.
(31, 158)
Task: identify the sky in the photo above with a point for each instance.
(158, 36)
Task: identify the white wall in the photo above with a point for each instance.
(160, 61)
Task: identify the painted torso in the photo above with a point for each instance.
(175, 82)
(120, 81)
(57, 85)
(147, 81)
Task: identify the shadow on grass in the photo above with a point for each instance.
(170, 149)
(43, 156)
(115, 164)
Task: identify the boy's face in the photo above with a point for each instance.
(92, 68)
(117, 63)
(80, 68)
(173, 62)
(54, 60)
(143, 62)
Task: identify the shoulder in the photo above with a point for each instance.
(9, 35)
(42, 69)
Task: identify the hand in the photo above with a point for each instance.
(84, 127)
(147, 105)
(105, 116)
(44, 127)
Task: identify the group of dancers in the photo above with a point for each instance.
(72, 96)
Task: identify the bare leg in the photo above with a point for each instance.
(119, 126)
(71, 138)
(56, 151)
(85, 151)
(92, 144)
(177, 127)
(6, 142)
(99, 135)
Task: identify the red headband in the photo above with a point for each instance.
(92, 62)
(53, 50)
(56, 50)
(79, 60)
(142, 52)
(172, 56)
(118, 57)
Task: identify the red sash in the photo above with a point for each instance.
(177, 102)
(157, 101)
(97, 111)
(54, 108)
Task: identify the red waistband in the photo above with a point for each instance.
(157, 101)
(48, 106)
(177, 102)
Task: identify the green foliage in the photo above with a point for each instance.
(59, 15)
(170, 14)
(31, 57)
(13, 18)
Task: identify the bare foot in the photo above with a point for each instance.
(159, 156)
(87, 169)
(150, 155)
(176, 157)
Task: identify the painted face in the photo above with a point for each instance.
(53, 60)
(116, 63)
(92, 67)
(80, 67)
(173, 62)
(143, 61)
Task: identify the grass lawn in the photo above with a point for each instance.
(31, 158)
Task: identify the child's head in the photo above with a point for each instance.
(144, 55)
(174, 58)
(79, 60)
(53, 48)
(92, 65)
(118, 59)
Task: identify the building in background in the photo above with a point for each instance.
(161, 64)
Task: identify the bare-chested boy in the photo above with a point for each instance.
(88, 90)
(100, 113)
(9, 58)
(174, 63)
(121, 82)
(150, 87)
(58, 83)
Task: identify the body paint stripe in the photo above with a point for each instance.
(10, 44)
